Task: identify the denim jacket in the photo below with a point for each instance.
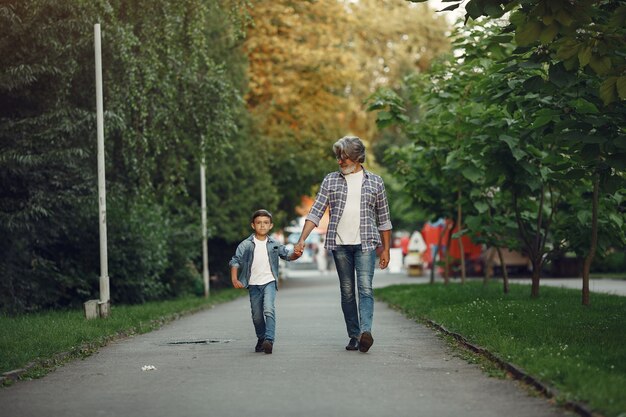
(244, 256)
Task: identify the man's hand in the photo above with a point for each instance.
(384, 259)
(237, 284)
(298, 249)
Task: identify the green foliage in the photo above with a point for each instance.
(582, 35)
(521, 137)
(173, 76)
(138, 232)
(579, 351)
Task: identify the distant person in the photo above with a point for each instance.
(359, 227)
(255, 267)
(320, 258)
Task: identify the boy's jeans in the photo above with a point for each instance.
(263, 312)
(348, 260)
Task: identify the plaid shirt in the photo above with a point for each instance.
(374, 208)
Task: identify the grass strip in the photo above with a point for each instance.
(580, 351)
(42, 341)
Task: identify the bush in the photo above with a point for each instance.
(613, 262)
(138, 234)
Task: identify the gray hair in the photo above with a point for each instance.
(350, 146)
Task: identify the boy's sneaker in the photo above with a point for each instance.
(259, 345)
(267, 346)
(353, 344)
(366, 342)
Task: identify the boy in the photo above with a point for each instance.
(255, 266)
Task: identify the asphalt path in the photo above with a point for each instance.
(205, 365)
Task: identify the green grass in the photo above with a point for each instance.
(580, 351)
(41, 337)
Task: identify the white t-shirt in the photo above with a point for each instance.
(261, 272)
(349, 226)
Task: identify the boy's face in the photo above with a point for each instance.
(262, 225)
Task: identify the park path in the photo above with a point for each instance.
(205, 366)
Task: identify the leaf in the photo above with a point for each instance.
(584, 56)
(528, 33)
(618, 220)
(564, 17)
(472, 173)
(607, 90)
(534, 84)
(543, 118)
(513, 143)
(481, 206)
(548, 33)
(601, 65)
(583, 106)
(460, 233)
(517, 18)
(617, 161)
(474, 9)
(621, 87)
(559, 76)
(384, 115)
(567, 49)
(493, 9)
(453, 7)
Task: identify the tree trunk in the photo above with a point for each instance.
(594, 239)
(459, 222)
(534, 290)
(489, 267)
(505, 274)
(446, 272)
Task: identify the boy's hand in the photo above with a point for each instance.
(237, 284)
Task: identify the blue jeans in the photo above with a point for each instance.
(263, 312)
(349, 259)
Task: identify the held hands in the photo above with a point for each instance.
(298, 249)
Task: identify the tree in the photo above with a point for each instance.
(312, 64)
(517, 122)
(169, 100)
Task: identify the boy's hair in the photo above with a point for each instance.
(260, 213)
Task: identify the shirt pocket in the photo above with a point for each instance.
(335, 193)
(369, 195)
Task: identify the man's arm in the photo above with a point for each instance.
(385, 237)
(306, 231)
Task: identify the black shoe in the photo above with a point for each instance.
(353, 344)
(268, 345)
(259, 345)
(366, 342)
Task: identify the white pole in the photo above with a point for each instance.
(104, 267)
(205, 247)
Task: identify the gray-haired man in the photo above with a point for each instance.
(359, 227)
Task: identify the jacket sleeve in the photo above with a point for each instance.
(238, 257)
(284, 253)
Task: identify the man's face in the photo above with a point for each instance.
(347, 165)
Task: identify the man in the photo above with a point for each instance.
(359, 228)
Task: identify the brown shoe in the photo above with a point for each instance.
(366, 342)
(268, 345)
